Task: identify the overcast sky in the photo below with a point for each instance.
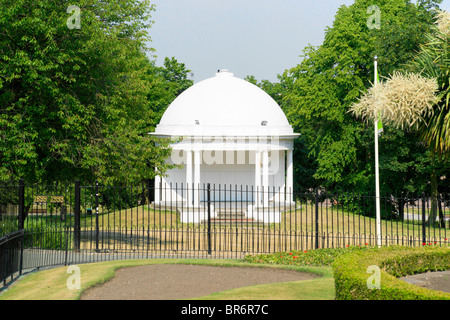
(249, 37)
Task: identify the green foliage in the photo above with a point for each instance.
(320, 90)
(351, 275)
(166, 83)
(118, 198)
(318, 257)
(74, 102)
(47, 236)
(350, 268)
(8, 224)
(432, 61)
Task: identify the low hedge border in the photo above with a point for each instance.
(352, 273)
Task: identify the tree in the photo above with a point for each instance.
(331, 77)
(175, 73)
(417, 99)
(73, 98)
(274, 89)
(433, 62)
(167, 83)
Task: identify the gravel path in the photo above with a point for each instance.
(170, 282)
(437, 280)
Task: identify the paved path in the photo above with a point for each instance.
(437, 280)
(168, 282)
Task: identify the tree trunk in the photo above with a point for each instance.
(434, 197)
(401, 207)
(441, 214)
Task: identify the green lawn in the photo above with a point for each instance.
(52, 284)
(330, 219)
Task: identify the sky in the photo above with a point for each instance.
(262, 38)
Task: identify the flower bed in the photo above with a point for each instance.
(318, 257)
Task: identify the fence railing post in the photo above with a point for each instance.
(424, 239)
(22, 239)
(66, 256)
(316, 202)
(208, 191)
(97, 231)
(77, 213)
(21, 213)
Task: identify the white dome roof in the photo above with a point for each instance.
(221, 106)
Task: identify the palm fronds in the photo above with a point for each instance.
(417, 98)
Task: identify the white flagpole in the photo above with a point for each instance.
(377, 175)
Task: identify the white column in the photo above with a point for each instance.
(196, 190)
(157, 189)
(188, 190)
(289, 175)
(257, 177)
(265, 174)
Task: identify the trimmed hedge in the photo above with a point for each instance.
(316, 257)
(351, 273)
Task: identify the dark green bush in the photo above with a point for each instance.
(44, 237)
(8, 224)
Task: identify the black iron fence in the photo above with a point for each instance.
(75, 223)
(11, 251)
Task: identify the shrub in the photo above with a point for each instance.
(317, 257)
(351, 273)
(45, 237)
(350, 267)
(8, 224)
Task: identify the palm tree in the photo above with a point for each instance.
(433, 62)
